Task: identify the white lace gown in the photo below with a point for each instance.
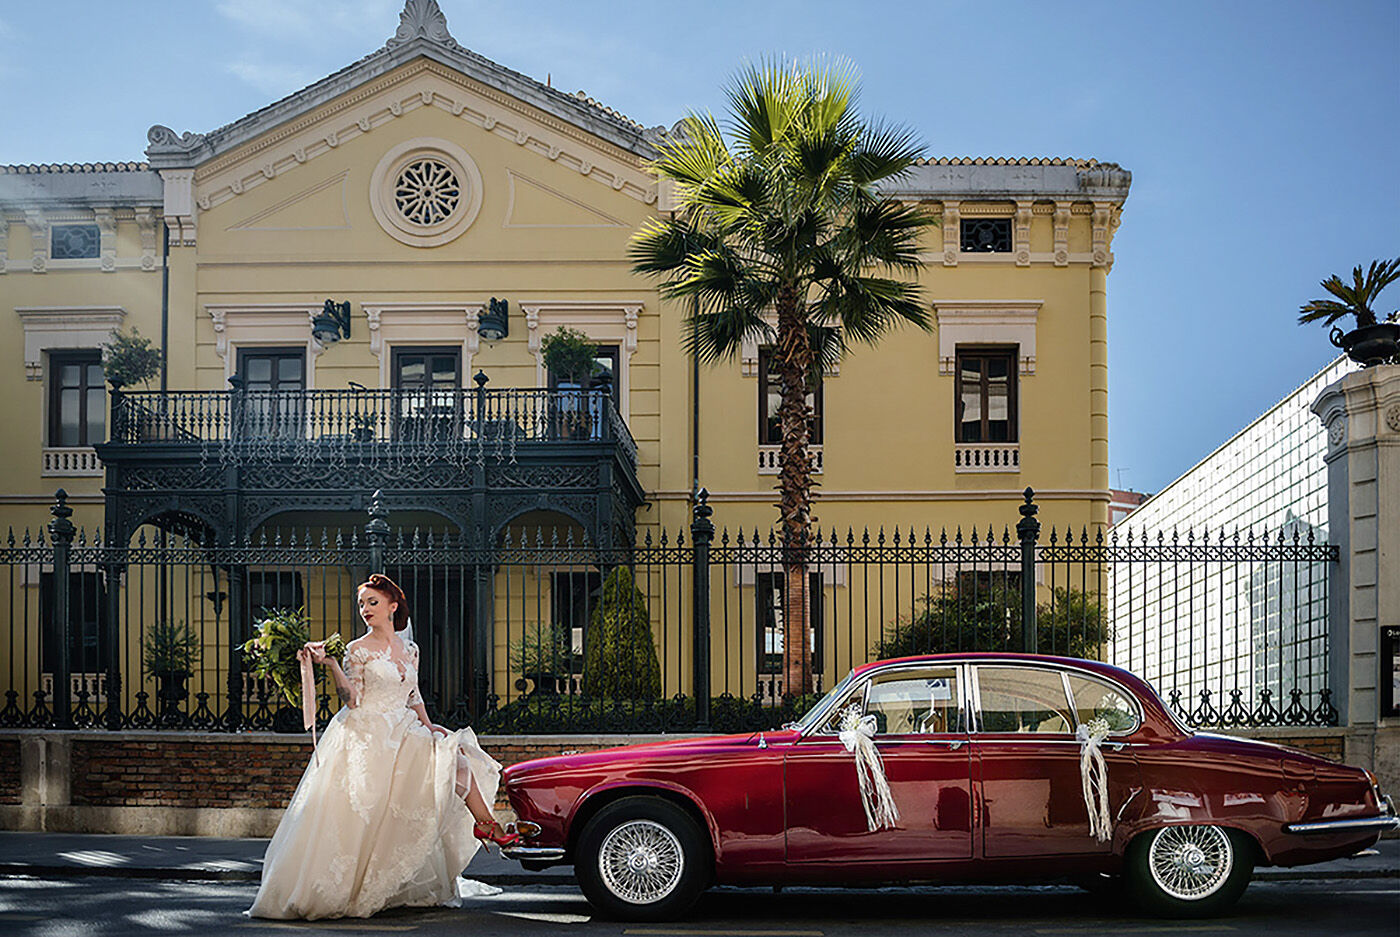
(378, 819)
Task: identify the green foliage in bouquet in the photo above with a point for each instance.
(272, 652)
(619, 654)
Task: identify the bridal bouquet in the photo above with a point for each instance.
(272, 652)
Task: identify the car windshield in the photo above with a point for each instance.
(805, 724)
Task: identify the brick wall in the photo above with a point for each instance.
(208, 770)
(10, 792)
(1329, 743)
(1327, 746)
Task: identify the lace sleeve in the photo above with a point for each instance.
(354, 675)
(414, 697)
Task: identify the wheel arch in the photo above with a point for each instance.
(1260, 855)
(601, 796)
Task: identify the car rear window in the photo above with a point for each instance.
(1095, 699)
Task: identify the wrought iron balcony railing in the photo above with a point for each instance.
(242, 425)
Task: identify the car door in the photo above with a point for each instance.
(923, 742)
(1026, 759)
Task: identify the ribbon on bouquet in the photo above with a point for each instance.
(308, 699)
(857, 733)
(1093, 774)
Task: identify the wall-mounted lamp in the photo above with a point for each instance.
(331, 322)
(494, 324)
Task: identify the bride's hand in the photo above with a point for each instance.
(437, 728)
(317, 650)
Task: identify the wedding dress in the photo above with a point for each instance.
(377, 820)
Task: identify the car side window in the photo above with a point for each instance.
(1095, 699)
(1024, 699)
(916, 702)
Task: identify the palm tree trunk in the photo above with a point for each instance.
(792, 359)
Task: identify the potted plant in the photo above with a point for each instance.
(1373, 341)
(129, 359)
(172, 649)
(541, 655)
(571, 358)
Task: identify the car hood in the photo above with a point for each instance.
(685, 747)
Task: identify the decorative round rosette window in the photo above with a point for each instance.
(425, 192)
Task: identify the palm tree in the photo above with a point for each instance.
(784, 216)
(1355, 298)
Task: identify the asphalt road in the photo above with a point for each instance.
(98, 907)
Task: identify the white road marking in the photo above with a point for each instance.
(546, 917)
(94, 857)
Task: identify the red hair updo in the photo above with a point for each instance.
(390, 590)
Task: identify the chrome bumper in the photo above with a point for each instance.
(1386, 821)
(533, 853)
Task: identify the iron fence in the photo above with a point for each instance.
(684, 630)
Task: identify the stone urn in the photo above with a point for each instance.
(1371, 344)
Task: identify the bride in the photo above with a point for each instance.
(381, 816)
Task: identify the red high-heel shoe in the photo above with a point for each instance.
(493, 833)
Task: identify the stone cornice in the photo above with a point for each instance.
(104, 189)
(982, 182)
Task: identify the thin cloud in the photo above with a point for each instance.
(271, 78)
(307, 21)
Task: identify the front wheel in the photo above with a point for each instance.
(642, 859)
(1189, 871)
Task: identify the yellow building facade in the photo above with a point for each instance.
(422, 183)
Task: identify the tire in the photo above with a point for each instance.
(643, 859)
(1188, 871)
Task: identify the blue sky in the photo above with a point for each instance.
(1263, 135)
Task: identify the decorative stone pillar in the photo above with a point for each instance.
(1362, 415)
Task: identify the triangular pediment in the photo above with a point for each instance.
(422, 34)
(533, 204)
(420, 94)
(316, 208)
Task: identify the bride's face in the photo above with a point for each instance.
(375, 608)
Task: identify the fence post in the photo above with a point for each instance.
(702, 532)
(377, 531)
(61, 531)
(1028, 530)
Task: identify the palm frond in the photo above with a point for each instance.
(1355, 298)
(694, 153)
(886, 152)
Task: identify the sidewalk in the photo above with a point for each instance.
(210, 859)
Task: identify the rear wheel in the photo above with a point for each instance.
(1189, 871)
(642, 859)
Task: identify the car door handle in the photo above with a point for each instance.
(953, 744)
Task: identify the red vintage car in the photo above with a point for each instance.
(981, 757)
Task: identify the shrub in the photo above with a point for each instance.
(619, 659)
(988, 618)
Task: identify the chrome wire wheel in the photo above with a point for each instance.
(641, 862)
(1190, 863)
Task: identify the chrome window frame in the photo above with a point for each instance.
(969, 673)
(1138, 715)
(962, 669)
(976, 686)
